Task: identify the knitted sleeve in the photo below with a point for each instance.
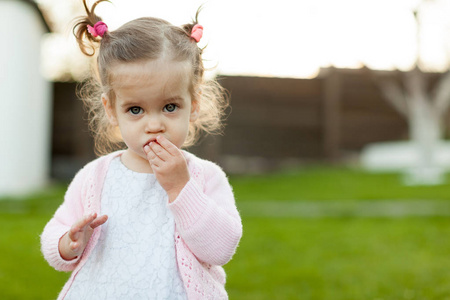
(207, 218)
(70, 211)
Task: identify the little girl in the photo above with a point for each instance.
(151, 221)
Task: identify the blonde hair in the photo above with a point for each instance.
(144, 39)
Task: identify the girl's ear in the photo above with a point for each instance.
(194, 111)
(110, 113)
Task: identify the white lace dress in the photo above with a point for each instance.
(135, 255)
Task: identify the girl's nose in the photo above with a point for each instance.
(154, 124)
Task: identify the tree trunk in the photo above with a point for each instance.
(426, 131)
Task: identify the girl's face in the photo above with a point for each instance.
(152, 98)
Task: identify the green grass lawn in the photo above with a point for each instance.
(341, 259)
(322, 183)
(279, 258)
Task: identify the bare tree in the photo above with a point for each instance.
(424, 109)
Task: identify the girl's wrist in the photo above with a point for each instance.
(173, 193)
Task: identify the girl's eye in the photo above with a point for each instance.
(135, 110)
(170, 107)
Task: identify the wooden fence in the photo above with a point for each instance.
(271, 119)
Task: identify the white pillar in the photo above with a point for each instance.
(25, 101)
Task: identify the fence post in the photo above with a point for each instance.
(331, 114)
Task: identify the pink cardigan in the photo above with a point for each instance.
(207, 225)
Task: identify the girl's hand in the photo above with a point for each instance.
(72, 244)
(168, 165)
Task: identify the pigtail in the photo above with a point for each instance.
(212, 98)
(87, 40)
(190, 26)
(195, 31)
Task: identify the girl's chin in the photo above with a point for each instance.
(136, 162)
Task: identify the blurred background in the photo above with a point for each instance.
(335, 143)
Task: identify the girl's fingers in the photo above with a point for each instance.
(80, 226)
(150, 153)
(167, 145)
(99, 221)
(153, 159)
(74, 232)
(73, 246)
(156, 162)
(159, 151)
(86, 220)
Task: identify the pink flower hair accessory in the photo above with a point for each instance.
(197, 32)
(99, 29)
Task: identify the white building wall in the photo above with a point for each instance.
(25, 101)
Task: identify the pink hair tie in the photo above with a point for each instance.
(197, 32)
(99, 29)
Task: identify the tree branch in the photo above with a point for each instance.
(441, 94)
(394, 94)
